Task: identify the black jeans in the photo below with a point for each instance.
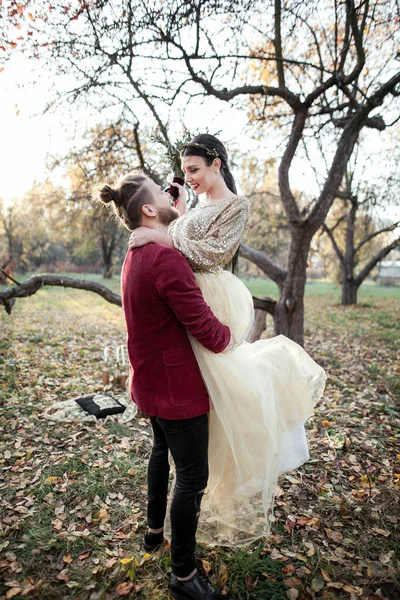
(187, 440)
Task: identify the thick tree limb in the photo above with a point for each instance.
(287, 197)
(36, 282)
(373, 123)
(374, 261)
(321, 89)
(267, 304)
(330, 189)
(386, 88)
(261, 260)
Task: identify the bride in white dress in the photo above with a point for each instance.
(262, 393)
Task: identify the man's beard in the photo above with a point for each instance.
(167, 215)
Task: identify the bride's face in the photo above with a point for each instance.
(198, 174)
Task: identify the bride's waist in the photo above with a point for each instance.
(213, 271)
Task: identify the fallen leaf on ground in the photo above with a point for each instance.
(125, 588)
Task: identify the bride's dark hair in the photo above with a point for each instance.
(128, 197)
(209, 147)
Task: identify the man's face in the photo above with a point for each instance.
(163, 204)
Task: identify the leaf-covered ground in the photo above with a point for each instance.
(72, 496)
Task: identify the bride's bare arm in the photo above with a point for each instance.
(144, 235)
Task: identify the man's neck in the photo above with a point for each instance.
(154, 225)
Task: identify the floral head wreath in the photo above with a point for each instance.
(210, 151)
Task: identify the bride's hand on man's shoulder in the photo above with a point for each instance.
(140, 237)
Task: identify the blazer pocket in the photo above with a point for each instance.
(184, 379)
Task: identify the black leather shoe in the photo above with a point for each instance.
(152, 541)
(196, 588)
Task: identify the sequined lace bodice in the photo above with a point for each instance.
(209, 235)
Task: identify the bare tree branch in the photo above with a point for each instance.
(261, 260)
(278, 44)
(36, 282)
(344, 150)
(267, 304)
(225, 94)
(358, 41)
(369, 237)
(374, 261)
(373, 122)
(387, 88)
(143, 164)
(329, 231)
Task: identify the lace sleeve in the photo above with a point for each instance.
(217, 247)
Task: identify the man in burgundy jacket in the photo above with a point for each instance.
(162, 304)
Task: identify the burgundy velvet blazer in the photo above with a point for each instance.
(162, 304)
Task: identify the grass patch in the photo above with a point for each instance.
(250, 575)
(73, 496)
(265, 287)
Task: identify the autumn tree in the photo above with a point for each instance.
(359, 241)
(34, 226)
(310, 66)
(108, 153)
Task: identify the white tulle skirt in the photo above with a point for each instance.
(261, 395)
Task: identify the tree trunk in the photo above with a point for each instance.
(289, 311)
(349, 291)
(349, 287)
(108, 271)
(259, 325)
(107, 251)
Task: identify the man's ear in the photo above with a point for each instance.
(148, 210)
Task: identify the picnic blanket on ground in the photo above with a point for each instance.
(92, 408)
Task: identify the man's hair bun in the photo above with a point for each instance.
(127, 197)
(108, 194)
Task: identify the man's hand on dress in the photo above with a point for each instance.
(232, 344)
